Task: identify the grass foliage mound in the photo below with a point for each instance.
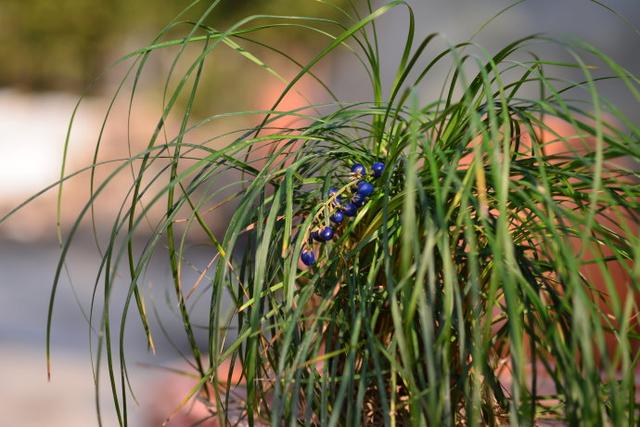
(489, 275)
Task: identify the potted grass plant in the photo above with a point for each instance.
(470, 259)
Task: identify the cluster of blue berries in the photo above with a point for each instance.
(362, 190)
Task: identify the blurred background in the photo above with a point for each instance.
(54, 52)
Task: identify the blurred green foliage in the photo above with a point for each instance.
(64, 44)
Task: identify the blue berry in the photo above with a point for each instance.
(358, 199)
(350, 209)
(364, 188)
(337, 217)
(307, 257)
(377, 168)
(358, 169)
(326, 234)
(316, 236)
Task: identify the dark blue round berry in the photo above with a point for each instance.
(358, 199)
(308, 257)
(350, 209)
(337, 217)
(316, 236)
(377, 168)
(358, 169)
(326, 234)
(365, 189)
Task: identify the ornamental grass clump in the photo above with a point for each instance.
(468, 259)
